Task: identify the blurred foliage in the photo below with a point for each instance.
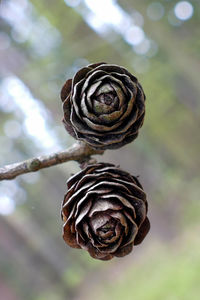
(174, 277)
(42, 43)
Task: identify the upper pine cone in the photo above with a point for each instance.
(104, 105)
(104, 211)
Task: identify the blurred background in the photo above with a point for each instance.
(42, 43)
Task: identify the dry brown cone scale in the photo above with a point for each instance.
(104, 211)
(104, 106)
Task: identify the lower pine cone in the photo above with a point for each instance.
(104, 211)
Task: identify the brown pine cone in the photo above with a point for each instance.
(104, 106)
(104, 211)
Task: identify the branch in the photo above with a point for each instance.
(79, 152)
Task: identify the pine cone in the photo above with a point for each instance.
(104, 105)
(104, 211)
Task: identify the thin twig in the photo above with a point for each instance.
(79, 152)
